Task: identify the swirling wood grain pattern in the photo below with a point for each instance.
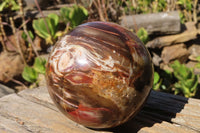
(99, 74)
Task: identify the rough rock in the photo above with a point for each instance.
(11, 43)
(190, 26)
(33, 111)
(162, 23)
(194, 51)
(38, 42)
(4, 90)
(11, 65)
(162, 41)
(166, 67)
(41, 79)
(192, 64)
(174, 52)
(156, 59)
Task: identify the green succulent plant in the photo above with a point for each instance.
(157, 81)
(198, 62)
(25, 37)
(11, 4)
(75, 15)
(47, 28)
(30, 74)
(187, 81)
(143, 35)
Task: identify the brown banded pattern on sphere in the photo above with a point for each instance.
(99, 75)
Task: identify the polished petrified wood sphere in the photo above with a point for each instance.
(99, 75)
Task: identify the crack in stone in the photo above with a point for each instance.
(191, 128)
(28, 126)
(39, 102)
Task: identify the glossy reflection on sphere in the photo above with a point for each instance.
(99, 75)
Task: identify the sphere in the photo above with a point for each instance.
(99, 75)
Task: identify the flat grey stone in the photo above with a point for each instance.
(32, 110)
(4, 90)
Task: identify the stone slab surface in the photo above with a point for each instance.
(4, 90)
(33, 111)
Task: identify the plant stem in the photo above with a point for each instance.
(25, 28)
(67, 27)
(2, 36)
(17, 39)
(98, 6)
(31, 42)
(104, 9)
(16, 81)
(195, 11)
(36, 2)
(173, 5)
(134, 3)
(22, 14)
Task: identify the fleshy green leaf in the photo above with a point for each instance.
(180, 71)
(198, 58)
(75, 15)
(24, 36)
(187, 80)
(65, 14)
(14, 5)
(39, 65)
(156, 78)
(55, 18)
(2, 6)
(143, 35)
(41, 28)
(78, 15)
(53, 21)
(197, 65)
(29, 74)
(59, 33)
(11, 4)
